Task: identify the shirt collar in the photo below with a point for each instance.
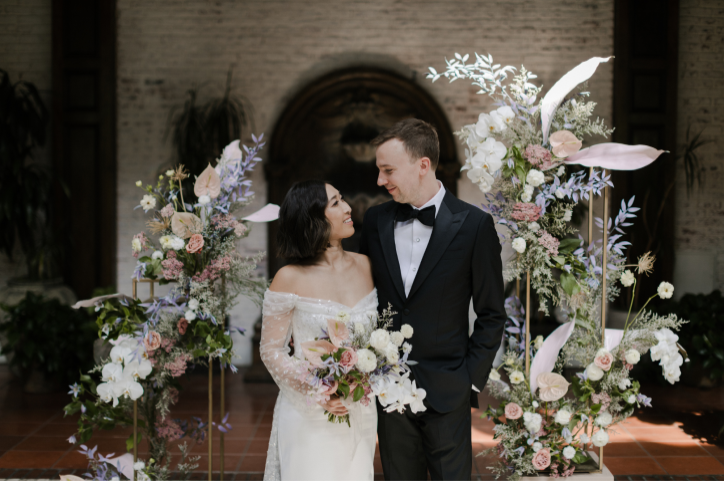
(436, 199)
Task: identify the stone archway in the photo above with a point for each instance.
(325, 130)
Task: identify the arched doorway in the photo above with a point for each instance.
(325, 130)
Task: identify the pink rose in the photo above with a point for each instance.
(152, 341)
(196, 243)
(604, 359)
(542, 459)
(182, 325)
(513, 411)
(348, 359)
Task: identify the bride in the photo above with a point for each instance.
(321, 281)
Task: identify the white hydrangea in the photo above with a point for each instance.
(193, 304)
(366, 360)
(569, 452)
(379, 339)
(177, 243)
(604, 419)
(157, 255)
(534, 227)
(537, 446)
(407, 331)
(518, 245)
(600, 438)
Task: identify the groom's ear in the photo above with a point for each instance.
(425, 166)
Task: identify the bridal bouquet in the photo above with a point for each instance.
(527, 155)
(356, 360)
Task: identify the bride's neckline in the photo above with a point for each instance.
(374, 289)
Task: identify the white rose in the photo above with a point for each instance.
(190, 315)
(563, 416)
(177, 243)
(379, 339)
(397, 338)
(561, 171)
(494, 375)
(537, 446)
(560, 194)
(165, 242)
(517, 377)
(567, 215)
(535, 177)
(366, 360)
(148, 202)
(604, 419)
(139, 183)
(594, 372)
(204, 199)
(407, 331)
(157, 255)
(631, 399)
(633, 356)
(627, 278)
(193, 304)
(569, 452)
(600, 438)
(136, 245)
(665, 290)
(518, 245)
(534, 227)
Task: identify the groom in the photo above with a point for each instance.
(431, 253)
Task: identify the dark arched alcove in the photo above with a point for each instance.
(324, 133)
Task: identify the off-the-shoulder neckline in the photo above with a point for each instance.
(373, 291)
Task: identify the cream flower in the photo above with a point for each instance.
(538, 342)
(407, 331)
(532, 422)
(366, 360)
(537, 446)
(527, 193)
(517, 377)
(190, 315)
(397, 338)
(627, 278)
(534, 227)
(600, 438)
(552, 386)
(535, 177)
(139, 183)
(136, 245)
(631, 399)
(569, 452)
(165, 242)
(518, 245)
(563, 416)
(567, 215)
(148, 202)
(604, 419)
(594, 372)
(169, 173)
(379, 339)
(494, 375)
(633, 356)
(665, 290)
(157, 255)
(343, 316)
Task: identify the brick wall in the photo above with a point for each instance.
(700, 217)
(277, 47)
(25, 51)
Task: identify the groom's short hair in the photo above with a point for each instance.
(418, 137)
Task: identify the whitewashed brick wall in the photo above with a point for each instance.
(700, 217)
(278, 47)
(25, 52)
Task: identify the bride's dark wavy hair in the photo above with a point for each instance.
(303, 226)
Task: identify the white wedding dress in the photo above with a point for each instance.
(304, 445)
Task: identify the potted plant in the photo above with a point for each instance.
(50, 342)
(25, 193)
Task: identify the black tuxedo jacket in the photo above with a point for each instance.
(462, 261)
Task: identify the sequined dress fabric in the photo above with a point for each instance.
(304, 445)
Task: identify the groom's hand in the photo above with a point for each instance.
(334, 406)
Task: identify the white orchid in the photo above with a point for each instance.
(387, 392)
(490, 155)
(138, 370)
(506, 114)
(489, 124)
(106, 393)
(418, 396)
(112, 372)
(121, 353)
(130, 388)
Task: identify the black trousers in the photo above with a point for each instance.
(413, 444)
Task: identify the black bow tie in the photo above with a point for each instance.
(405, 212)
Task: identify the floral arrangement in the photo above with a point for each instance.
(537, 181)
(155, 342)
(357, 360)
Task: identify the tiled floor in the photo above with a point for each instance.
(678, 438)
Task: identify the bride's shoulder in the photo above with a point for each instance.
(286, 279)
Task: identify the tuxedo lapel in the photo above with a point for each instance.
(386, 227)
(446, 228)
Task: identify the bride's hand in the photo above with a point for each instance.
(334, 406)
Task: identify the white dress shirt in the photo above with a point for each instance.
(411, 240)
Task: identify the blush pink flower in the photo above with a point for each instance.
(603, 399)
(182, 325)
(314, 350)
(152, 341)
(337, 331)
(177, 367)
(538, 156)
(603, 359)
(526, 211)
(167, 211)
(513, 411)
(549, 242)
(196, 243)
(331, 389)
(542, 459)
(171, 266)
(348, 359)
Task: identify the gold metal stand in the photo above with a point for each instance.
(221, 433)
(604, 268)
(527, 325)
(211, 414)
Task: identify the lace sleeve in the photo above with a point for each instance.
(276, 330)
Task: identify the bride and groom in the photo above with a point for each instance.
(427, 254)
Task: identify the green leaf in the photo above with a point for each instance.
(358, 393)
(579, 458)
(569, 284)
(129, 442)
(344, 389)
(567, 246)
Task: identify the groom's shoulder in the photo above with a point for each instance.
(376, 210)
(474, 213)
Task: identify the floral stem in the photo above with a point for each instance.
(637, 315)
(630, 307)
(181, 192)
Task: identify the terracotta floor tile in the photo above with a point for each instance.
(688, 465)
(253, 463)
(53, 429)
(30, 459)
(74, 460)
(662, 434)
(714, 449)
(643, 465)
(14, 428)
(688, 448)
(624, 449)
(7, 442)
(43, 443)
(258, 446)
